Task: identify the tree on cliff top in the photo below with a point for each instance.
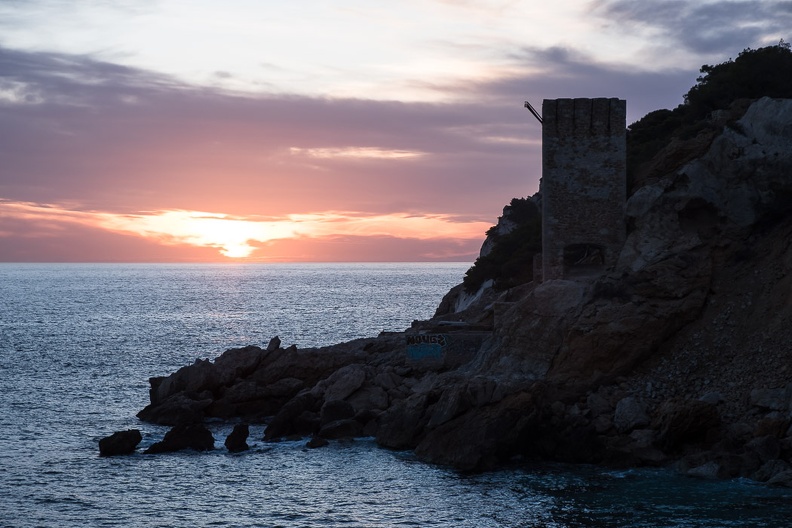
(763, 72)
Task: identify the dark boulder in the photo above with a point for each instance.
(335, 410)
(248, 383)
(481, 438)
(766, 447)
(344, 382)
(630, 414)
(772, 426)
(338, 429)
(401, 426)
(287, 421)
(687, 422)
(317, 442)
(186, 436)
(237, 440)
(369, 397)
(179, 408)
(120, 443)
(274, 344)
(772, 470)
(454, 401)
(579, 443)
(306, 423)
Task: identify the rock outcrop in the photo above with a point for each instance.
(120, 443)
(237, 440)
(677, 355)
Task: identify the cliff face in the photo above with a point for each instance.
(688, 227)
(680, 353)
(698, 306)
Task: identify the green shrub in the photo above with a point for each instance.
(764, 72)
(510, 262)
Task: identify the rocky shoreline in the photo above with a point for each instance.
(678, 356)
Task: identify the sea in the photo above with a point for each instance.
(78, 343)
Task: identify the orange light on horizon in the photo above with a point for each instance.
(239, 237)
(231, 236)
(356, 153)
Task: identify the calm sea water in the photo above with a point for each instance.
(78, 343)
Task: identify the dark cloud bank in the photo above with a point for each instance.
(704, 28)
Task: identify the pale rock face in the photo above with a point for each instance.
(466, 300)
(759, 146)
(657, 233)
(743, 175)
(642, 200)
(504, 226)
(770, 122)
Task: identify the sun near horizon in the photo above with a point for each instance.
(200, 236)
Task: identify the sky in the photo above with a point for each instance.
(314, 130)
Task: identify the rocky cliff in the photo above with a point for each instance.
(680, 354)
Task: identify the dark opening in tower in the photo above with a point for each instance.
(583, 259)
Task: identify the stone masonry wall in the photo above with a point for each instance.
(583, 184)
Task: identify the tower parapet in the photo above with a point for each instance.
(584, 185)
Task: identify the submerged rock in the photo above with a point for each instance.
(347, 428)
(237, 440)
(317, 442)
(120, 443)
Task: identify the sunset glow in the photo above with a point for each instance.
(239, 238)
(356, 152)
(297, 131)
(231, 236)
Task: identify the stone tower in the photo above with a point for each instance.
(584, 185)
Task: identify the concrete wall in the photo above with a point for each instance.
(584, 184)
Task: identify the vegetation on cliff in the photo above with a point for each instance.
(510, 260)
(755, 73)
(763, 72)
